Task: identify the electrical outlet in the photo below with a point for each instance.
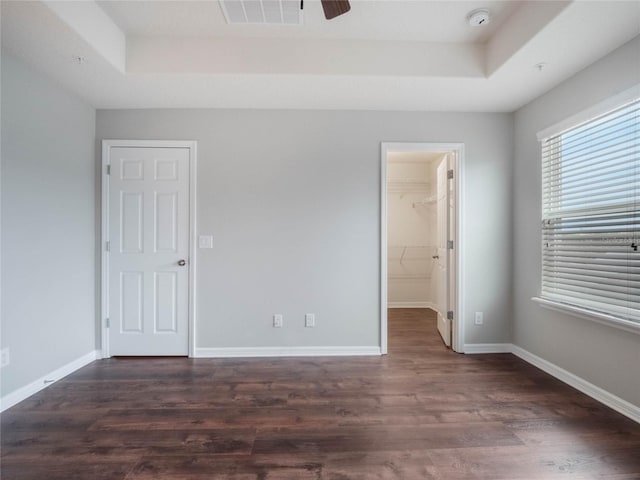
(5, 359)
(309, 320)
(278, 321)
(479, 318)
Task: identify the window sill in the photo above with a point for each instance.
(597, 317)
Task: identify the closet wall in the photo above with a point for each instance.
(411, 228)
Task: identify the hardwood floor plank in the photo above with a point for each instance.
(15, 420)
(381, 438)
(132, 442)
(539, 463)
(377, 466)
(67, 467)
(421, 412)
(562, 431)
(335, 466)
(207, 468)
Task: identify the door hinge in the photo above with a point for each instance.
(450, 244)
(449, 174)
(450, 315)
(107, 246)
(107, 323)
(108, 169)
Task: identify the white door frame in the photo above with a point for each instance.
(385, 148)
(104, 296)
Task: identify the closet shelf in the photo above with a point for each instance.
(424, 202)
(404, 185)
(424, 245)
(408, 277)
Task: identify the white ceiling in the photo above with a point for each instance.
(382, 55)
(397, 20)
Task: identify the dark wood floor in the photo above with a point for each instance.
(422, 412)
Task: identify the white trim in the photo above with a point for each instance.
(285, 352)
(459, 314)
(384, 289)
(584, 313)
(104, 297)
(411, 305)
(618, 404)
(193, 250)
(50, 378)
(591, 112)
(474, 348)
(104, 255)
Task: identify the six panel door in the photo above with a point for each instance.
(149, 248)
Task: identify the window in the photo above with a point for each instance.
(591, 214)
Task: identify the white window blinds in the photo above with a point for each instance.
(591, 214)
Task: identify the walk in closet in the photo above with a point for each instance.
(411, 229)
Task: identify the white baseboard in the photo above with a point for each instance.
(487, 348)
(50, 378)
(410, 305)
(285, 352)
(610, 400)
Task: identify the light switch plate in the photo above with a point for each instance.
(309, 320)
(5, 357)
(205, 241)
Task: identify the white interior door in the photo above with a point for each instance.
(148, 251)
(452, 220)
(442, 234)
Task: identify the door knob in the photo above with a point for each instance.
(435, 256)
(182, 263)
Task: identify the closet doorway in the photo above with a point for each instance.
(420, 219)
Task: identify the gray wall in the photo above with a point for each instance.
(48, 226)
(292, 200)
(604, 356)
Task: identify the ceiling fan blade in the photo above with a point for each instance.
(333, 8)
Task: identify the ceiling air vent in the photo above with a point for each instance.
(266, 12)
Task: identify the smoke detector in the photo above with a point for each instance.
(479, 17)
